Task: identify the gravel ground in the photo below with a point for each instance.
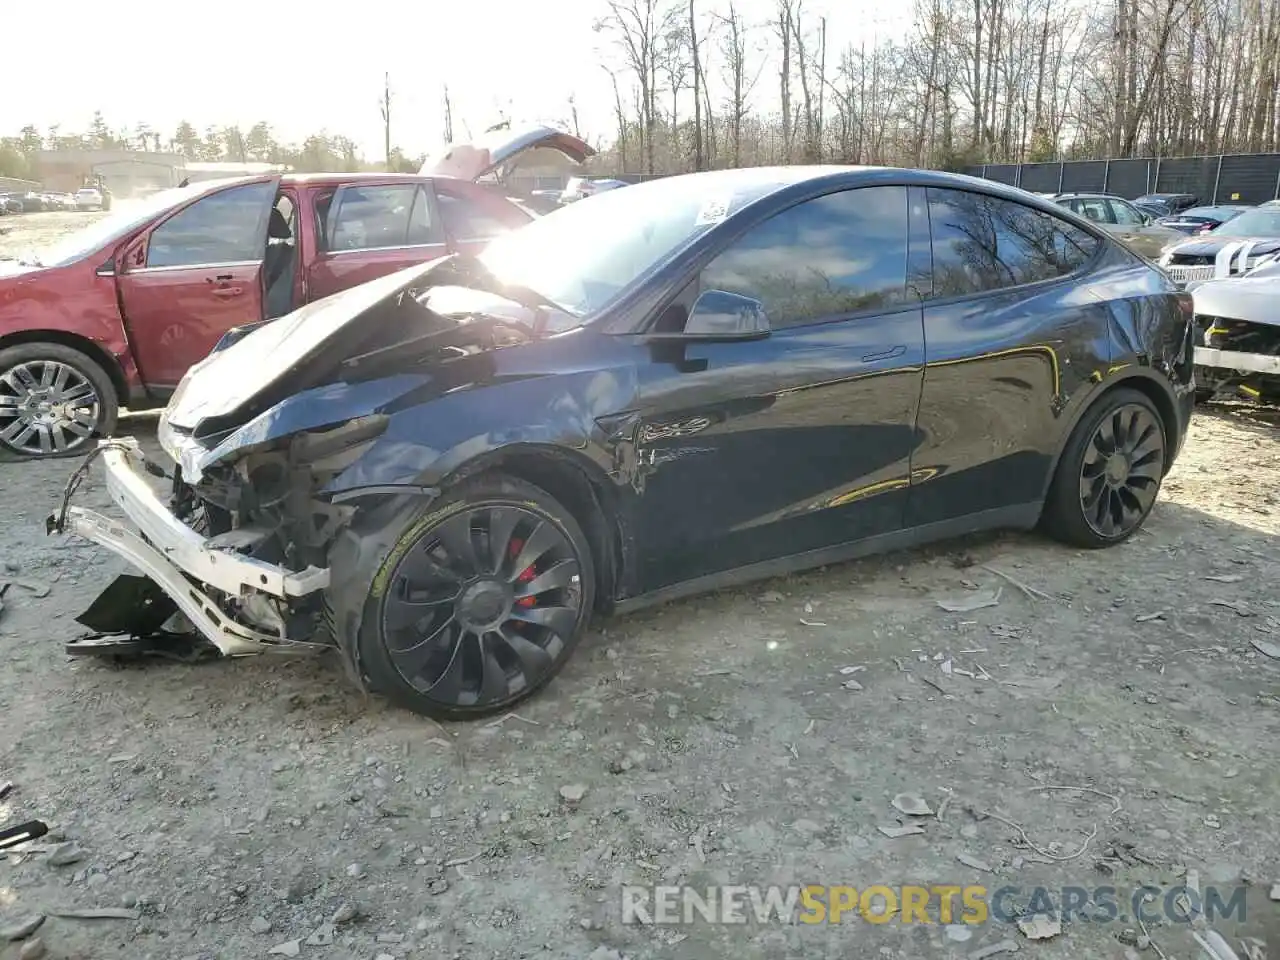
(234, 807)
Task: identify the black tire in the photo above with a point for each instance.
(478, 634)
(1098, 499)
(95, 412)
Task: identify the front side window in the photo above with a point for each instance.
(983, 243)
(225, 227)
(1125, 215)
(467, 219)
(832, 256)
(372, 217)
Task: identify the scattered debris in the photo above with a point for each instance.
(1148, 617)
(848, 671)
(893, 833)
(1031, 592)
(1225, 577)
(512, 716)
(972, 601)
(1275, 891)
(322, 936)
(852, 685)
(290, 948)
(974, 862)
(812, 623)
(958, 932)
(1004, 946)
(1215, 945)
(347, 911)
(460, 861)
(942, 807)
(33, 949)
(1240, 608)
(1039, 927)
(23, 928)
(6, 788)
(1266, 648)
(912, 804)
(260, 925)
(97, 913)
(65, 854)
(572, 794)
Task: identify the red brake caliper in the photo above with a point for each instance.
(526, 575)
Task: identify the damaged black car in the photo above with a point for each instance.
(694, 382)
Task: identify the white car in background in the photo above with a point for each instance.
(578, 188)
(88, 198)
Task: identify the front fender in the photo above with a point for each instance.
(427, 444)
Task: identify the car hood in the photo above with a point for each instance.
(15, 268)
(470, 161)
(248, 373)
(1255, 298)
(1208, 246)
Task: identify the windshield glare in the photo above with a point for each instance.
(583, 257)
(128, 215)
(1259, 222)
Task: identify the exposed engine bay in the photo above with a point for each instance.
(1238, 322)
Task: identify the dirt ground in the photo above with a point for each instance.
(236, 806)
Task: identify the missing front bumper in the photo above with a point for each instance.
(184, 564)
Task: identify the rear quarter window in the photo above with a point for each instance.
(983, 243)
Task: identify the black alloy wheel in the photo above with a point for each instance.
(481, 603)
(1122, 469)
(1110, 472)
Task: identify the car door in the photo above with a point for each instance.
(473, 216)
(753, 451)
(192, 277)
(368, 230)
(1010, 333)
(1135, 229)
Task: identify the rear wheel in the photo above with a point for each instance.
(1109, 474)
(477, 603)
(54, 400)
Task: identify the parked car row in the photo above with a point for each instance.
(87, 198)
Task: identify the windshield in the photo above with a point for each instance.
(1258, 222)
(583, 257)
(128, 215)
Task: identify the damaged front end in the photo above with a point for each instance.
(233, 537)
(1238, 321)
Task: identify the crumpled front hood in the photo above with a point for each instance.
(1254, 299)
(228, 378)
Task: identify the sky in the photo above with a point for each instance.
(304, 66)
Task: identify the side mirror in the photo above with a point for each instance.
(720, 315)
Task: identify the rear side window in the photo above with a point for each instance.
(982, 243)
(225, 227)
(1124, 214)
(470, 218)
(372, 217)
(835, 255)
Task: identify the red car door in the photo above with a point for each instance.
(192, 277)
(368, 230)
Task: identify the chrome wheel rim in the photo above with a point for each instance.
(1121, 473)
(47, 407)
(483, 606)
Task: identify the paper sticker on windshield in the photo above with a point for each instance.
(713, 211)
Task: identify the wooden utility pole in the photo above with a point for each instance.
(386, 117)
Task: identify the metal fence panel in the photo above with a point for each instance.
(1040, 177)
(1248, 178)
(1130, 178)
(1084, 176)
(1192, 175)
(1006, 173)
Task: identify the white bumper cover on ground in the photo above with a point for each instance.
(172, 554)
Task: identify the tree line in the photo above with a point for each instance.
(696, 84)
(321, 152)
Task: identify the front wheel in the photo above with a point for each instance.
(54, 400)
(477, 603)
(1109, 474)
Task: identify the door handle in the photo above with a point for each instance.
(885, 355)
(221, 276)
(227, 291)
